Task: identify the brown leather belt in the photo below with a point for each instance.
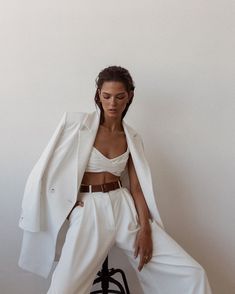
(103, 187)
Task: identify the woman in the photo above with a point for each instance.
(109, 211)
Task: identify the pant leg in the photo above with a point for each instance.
(171, 269)
(88, 240)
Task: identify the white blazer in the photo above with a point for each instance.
(53, 184)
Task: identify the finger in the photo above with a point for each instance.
(149, 258)
(140, 266)
(144, 260)
(81, 203)
(141, 263)
(136, 247)
(136, 251)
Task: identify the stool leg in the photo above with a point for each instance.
(105, 277)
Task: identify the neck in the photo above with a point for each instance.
(112, 124)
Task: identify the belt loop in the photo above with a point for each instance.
(90, 190)
(119, 184)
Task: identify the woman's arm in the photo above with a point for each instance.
(143, 242)
(138, 196)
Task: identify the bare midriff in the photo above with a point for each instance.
(98, 178)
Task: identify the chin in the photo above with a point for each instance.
(114, 113)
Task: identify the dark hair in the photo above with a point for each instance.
(114, 73)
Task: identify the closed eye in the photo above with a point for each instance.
(107, 97)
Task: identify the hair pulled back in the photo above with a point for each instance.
(118, 74)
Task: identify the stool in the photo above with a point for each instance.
(105, 277)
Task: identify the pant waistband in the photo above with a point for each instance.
(101, 188)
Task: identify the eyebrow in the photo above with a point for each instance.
(117, 94)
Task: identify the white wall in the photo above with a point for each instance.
(180, 56)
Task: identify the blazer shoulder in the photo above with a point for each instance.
(131, 130)
(136, 134)
(75, 117)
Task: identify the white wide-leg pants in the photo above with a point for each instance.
(110, 219)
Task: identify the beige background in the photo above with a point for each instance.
(180, 55)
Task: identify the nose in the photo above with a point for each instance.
(113, 101)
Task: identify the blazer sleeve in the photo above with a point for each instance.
(32, 191)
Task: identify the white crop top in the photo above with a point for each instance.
(100, 163)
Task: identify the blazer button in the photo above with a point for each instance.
(52, 190)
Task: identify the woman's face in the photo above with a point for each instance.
(113, 97)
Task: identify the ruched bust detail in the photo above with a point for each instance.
(100, 163)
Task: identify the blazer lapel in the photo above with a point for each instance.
(86, 138)
(143, 171)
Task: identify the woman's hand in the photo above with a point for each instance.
(80, 203)
(143, 245)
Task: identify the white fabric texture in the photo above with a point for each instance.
(110, 219)
(100, 163)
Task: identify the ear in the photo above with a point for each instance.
(131, 95)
